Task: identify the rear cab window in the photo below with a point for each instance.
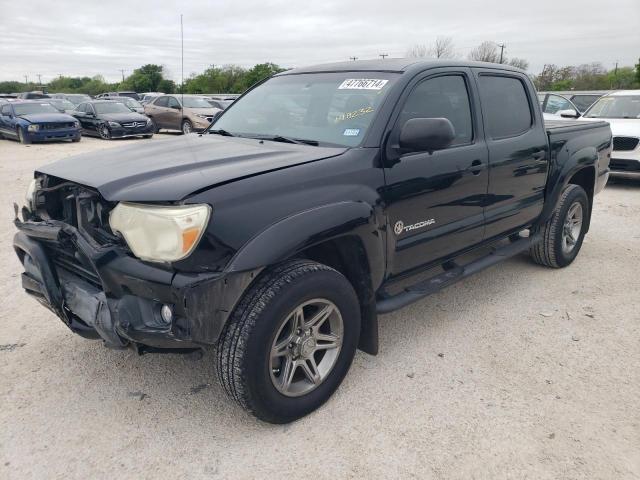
(505, 105)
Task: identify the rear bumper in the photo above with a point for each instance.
(104, 293)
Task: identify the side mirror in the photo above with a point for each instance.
(426, 134)
(175, 107)
(569, 113)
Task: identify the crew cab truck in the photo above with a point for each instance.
(322, 198)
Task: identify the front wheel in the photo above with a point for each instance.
(290, 342)
(104, 132)
(25, 140)
(563, 234)
(187, 127)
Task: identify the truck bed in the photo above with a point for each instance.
(557, 126)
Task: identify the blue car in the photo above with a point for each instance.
(32, 121)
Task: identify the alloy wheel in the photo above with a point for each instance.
(306, 347)
(571, 228)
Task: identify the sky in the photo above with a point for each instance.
(87, 38)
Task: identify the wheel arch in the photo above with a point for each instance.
(345, 236)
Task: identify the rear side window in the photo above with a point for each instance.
(505, 106)
(6, 110)
(441, 97)
(584, 101)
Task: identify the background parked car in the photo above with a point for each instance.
(553, 103)
(108, 119)
(75, 98)
(35, 95)
(130, 103)
(125, 93)
(168, 111)
(149, 96)
(29, 121)
(62, 105)
(222, 101)
(622, 110)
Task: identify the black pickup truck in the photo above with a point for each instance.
(322, 198)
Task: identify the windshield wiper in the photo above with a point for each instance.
(222, 132)
(283, 139)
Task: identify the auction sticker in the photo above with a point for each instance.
(362, 84)
(351, 132)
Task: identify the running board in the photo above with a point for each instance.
(452, 275)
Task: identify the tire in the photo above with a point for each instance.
(561, 238)
(187, 127)
(22, 138)
(148, 136)
(76, 140)
(104, 132)
(245, 362)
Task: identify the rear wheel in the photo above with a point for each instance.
(288, 345)
(22, 137)
(564, 232)
(187, 127)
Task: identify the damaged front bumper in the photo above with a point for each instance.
(102, 292)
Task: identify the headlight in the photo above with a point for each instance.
(29, 197)
(148, 121)
(76, 124)
(201, 115)
(33, 128)
(114, 124)
(159, 233)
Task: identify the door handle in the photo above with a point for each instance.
(539, 155)
(476, 167)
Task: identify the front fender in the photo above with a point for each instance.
(298, 232)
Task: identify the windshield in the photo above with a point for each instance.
(78, 99)
(627, 106)
(29, 108)
(195, 102)
(61, 104)
(333, 108)
(111, 107)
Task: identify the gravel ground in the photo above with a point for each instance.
(519, 372)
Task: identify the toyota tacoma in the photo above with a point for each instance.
(319, 200)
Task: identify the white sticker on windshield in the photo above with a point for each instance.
(351, 132)
(362, 84)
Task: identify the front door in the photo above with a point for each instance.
(435, 201)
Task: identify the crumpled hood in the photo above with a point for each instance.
(47, 117)
(170, 170)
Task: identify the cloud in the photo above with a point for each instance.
(90, 38)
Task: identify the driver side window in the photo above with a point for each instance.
(173, 103)
(555, 103)
(6, 110)
(441, 97)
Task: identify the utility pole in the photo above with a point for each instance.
(353, 58)
(26, 79)
(122, 71)
(383, 55)
(39, 79)
(502, 47)
(60, 76)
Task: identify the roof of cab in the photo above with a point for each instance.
(398, 65)
(618, 93)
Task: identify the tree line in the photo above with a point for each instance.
(152, 78)
(236, 79)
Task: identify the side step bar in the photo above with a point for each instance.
(427, 287)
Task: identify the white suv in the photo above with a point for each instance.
(622, 110)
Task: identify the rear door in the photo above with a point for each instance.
(435, 200)
(518, 150)
(158, 110)
(174, 114)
